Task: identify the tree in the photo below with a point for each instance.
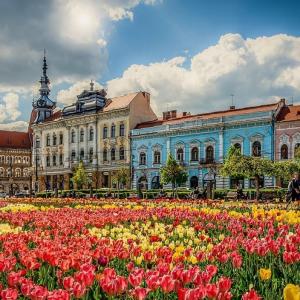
(80, 178)
(236, 164)
(286, 168)
(121, 177)
(173, 173)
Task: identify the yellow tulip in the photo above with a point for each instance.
(265, 274)
(291, 292)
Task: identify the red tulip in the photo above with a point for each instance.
(139, 293)
(167, 284)
(251, 295)
(9, 294)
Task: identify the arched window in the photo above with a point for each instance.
(105, 132)
(155, 183)
(81, 154)
(91, 153)
(48, 161)
(143, 158)
(1, 172)
(61, 138)
(209, 154)
(122, 130)
(72, 136)
(194, 154)
(105, 155)
(156, 157)
(179, 154)
(284, 152)
(122, 153)
(81, 135)
(37, 142)
(54, 160)
(113, 131)
(113, 154)
(48, 140)
(54, 139)
(73, 156)
(238, 146)
(256, 149)
(61, 159)
(18, 172)
(25, 172)
(297, 151)
(91, 134)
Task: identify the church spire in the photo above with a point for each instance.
(44, 89)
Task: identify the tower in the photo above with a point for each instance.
(43, 107)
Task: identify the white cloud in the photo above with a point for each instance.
(102, 43)
(255, 70)
(15, 126)
(9, 108)
(69, 96)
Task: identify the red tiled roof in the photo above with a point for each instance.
(289, 113)
(14, 139)
(216, 114)
(119, 102)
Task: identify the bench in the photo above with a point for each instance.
(231, 195)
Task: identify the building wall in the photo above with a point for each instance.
(15, 165)
(219, 133)
(287, 133)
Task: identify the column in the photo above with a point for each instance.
(86, 139)
(221, 143)
(95, 145)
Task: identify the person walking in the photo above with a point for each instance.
(294, 189)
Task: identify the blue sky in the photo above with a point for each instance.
(142, 41)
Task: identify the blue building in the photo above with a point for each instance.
(200, 143)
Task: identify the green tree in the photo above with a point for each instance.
(80, 178)
(285, 169)
(173, 173)
(236, 165)
(120, 178)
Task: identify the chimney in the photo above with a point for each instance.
(232, 107)
(173, 113)
(184, 114)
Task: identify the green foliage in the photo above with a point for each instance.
(121, 177)
(80, 178)
(173, 173)
(286, 168)
(236, 164)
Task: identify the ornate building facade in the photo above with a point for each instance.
(94, 129)
(287, 134)
(200, 143)
(15, 162)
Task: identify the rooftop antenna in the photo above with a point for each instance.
(292, 100)
(232, 101)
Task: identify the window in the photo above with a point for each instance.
(18, 172)
(73, 155)
(238, 146)
(256, 149)
(81, 154)
(38, 160)
(91, 155)
(122, 130)
(252, 182)
(195, 154)
(61, 160)
(297, 150)
(37, 142)
(91, 134)
(81, 135)
(61, 139)
(105, 155)
(48, 161)
(122, 153)
(209, 154)
(113, 131)
(155, 183)
(48, 140)
(1, 172)
(142, 158)
(156, 157)
(113, 154)
(104, 132)
(284, 152)
(72, 136)
(179, 154)
(54, 160)
(54, 139)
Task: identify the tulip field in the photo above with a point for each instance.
(125, 249)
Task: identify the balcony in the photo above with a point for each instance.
(207, 161)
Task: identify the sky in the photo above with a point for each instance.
(190, 55)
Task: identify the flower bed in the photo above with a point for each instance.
(121, 249)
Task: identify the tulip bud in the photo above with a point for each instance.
(102, 261)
